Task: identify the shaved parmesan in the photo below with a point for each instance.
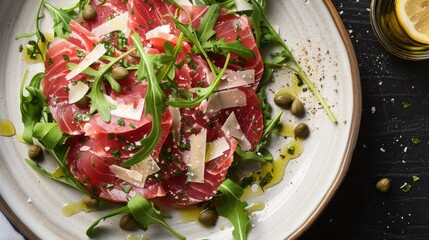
(184, 2)
(225, 99)
(197, 156)
(176, 125)
(119, 23)
(138, 174)
(243, 5)
(232, 128)
(237, 79)
(129, 111)
(154, 32)
(216, 148)
(89, 59)
(77, 91)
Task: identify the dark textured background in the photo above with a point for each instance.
(384, 147)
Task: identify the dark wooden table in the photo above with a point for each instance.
(395, 112)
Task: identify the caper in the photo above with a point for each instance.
(208, 217)
(119, 73)
(89, 12)
(90, 202)
(35, 152)
(297, 108)
(283, 100)
(83, 102)
(128, 222)
(301, 130)
(383, 185)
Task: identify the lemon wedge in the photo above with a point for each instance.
(413, 16)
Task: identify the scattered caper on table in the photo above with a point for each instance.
(128, 222)
(35, 152)
(119, 73)
(301, 130)
(208, 217)
(383, 185)
(89, 12)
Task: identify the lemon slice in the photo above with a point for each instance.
(413, 16)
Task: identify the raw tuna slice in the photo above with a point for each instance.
(55, 85)
(93, 171)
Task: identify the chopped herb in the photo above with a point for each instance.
(406, 105)
(108, 186)
(125, 187)
(291, 150)
(132, 125)
(66, 58)
(415, 140)
(116, 153)
(406, 187)
(415, 178)
(110, 135)
(265, 180)
(121, 122)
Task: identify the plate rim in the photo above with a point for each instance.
(347, 156)
(354, 125)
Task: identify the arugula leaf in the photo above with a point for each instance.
(115, 212)
(31, 106)
(207, 23)
(38, 33)
(154, 101)
(49, 134)
(222, 47)
(235, 209)
(61, 20)
(143, 211)
(202, 93)
(260, 155)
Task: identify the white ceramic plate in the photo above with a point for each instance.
(312, 29)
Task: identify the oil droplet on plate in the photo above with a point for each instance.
(43, 46)
(6, 128)
(188, 214)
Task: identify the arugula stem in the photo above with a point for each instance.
(301, 73)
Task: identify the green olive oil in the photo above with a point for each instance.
(6, 128)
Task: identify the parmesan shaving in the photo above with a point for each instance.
(216, 148)
(176, 125)
(225, 99)
(138, 174)
(232, 128)
(154, 32)
(237, 79)
(89, 59)
(123, 110)
(196, 158)
(243, 5)
(77, 91)
(119, 23)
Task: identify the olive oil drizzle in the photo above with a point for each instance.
(6, 128)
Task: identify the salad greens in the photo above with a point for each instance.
(159, 71)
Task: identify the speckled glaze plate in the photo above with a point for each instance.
(312, 28)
